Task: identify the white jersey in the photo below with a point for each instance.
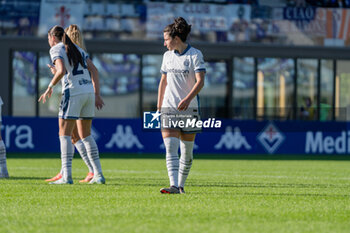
(180, 70)
(77, 79)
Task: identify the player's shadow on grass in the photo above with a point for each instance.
(138, 181)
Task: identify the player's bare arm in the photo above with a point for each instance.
(52, 68)
(60, 71)
(96, 83)
(161, 89)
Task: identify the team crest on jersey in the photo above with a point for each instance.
(186, 62)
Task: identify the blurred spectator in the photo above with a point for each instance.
(307, 111)
(325, 110)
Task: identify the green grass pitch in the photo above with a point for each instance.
(222, 196)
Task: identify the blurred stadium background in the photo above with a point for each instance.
(278, 76)
(278, 72)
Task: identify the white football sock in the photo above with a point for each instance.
(186, 148)
(61, 172)
(92, 152)
(67, 151)
(79, 145)
(172, 159)
(3, 166)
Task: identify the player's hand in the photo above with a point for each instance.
(47, 94)
(183, 105)
(99, 102)
(52, 69)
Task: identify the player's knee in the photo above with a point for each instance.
(75, 139)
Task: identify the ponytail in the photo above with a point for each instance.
(75, 35)
(73, 53)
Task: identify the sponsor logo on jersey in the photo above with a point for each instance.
(178, 71)
(84, 82)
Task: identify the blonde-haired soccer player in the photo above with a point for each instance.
(76, 36)
(182, 79)
(78, 101)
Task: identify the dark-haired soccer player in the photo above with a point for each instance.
(182, 79)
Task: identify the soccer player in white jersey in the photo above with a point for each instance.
(182, 79)
(77, 102)
(3, 167)
(76, 37)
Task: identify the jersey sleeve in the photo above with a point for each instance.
(1, 103)
(163, 69)
(198, 62)
(56, 53)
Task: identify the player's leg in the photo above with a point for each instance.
(84, 129)
(171, 143)
(67, 150)
(3, 166)
(69, 110)
(58, 175)
(79, 145)
(75, 137)
(186, 158)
